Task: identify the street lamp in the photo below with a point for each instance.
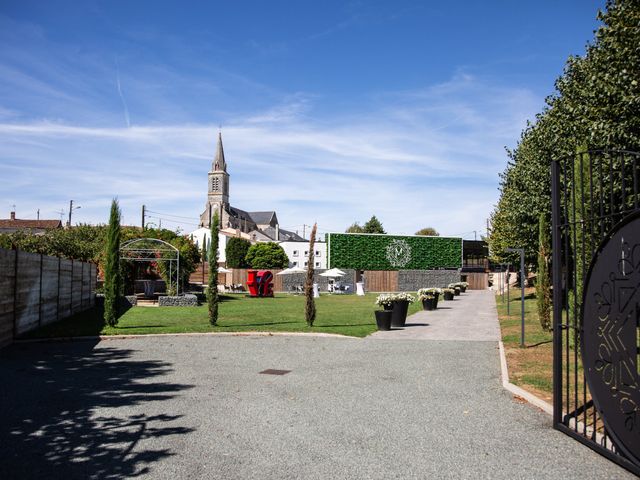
(71, 209)
(522, 280)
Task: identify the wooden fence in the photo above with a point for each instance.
(477, 280)
(381, 281)
(37, 289)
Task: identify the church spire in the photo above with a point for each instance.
(219, 164)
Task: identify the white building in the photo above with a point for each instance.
(298, 253)
(198, 236)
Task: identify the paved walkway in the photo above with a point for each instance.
(471, 316)
(198, 407)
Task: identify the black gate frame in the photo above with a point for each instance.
(573, 410)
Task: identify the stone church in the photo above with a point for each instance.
(259, 226)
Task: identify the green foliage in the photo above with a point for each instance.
(310, 306)
(267, 255)
(543, 284)
(595, 106)
(112, 276)
(212, 291)
(428, 231)
(236, 252)
(373, 226)
(369, 252)
(355, 228)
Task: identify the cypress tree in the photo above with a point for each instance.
(212, 291)
(204, 255)
(310, 305)
(543, 293)
(112, 275)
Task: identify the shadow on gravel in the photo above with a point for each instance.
(50, 427)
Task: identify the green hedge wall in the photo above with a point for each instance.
(390, 252)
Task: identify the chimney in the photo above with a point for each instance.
(13, 215)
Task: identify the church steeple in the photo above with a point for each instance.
(219, 163)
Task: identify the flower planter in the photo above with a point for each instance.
(435, 300)
(383, 319)
(463, 288)
(399, 313)
(448, 295)
(456, 291)
(429, 304)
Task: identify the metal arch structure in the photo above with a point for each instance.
(139, 250)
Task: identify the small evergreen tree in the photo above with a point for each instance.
(310, 305)
(112, 275)
(355, 228)
(429, 231)
(373, 226)
(543, 293)
(236, 252)
(212, 292)
(204, 255)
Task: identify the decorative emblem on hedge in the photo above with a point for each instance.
(610, 322)
(398, 253)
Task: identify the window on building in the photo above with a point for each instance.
(317, 253)
(295, 264)
(306, 253)
(295, 253)
(317, 264)
(306, 264)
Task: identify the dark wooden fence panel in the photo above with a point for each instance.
(381, 281)
(7, 287)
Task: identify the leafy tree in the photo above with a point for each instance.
(212, 291)
(236, 251)
(310, 306)
(373, 226)
(112, 277)
(428, 231)
(355, 228)
(267, 255)
(595, 105)
(543, 284)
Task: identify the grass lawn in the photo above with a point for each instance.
(531, 367)
(342, 314)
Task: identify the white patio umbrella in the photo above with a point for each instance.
(223, 270)
(334, 272)
(291, 271)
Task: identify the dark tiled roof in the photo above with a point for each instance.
(285, 235)
(20, 224)
(262, 218)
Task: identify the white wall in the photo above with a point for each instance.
(298, 253)
(199, 235)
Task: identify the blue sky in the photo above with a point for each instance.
(330, 111)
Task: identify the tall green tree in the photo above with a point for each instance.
(236, 252)
(373, 226)
(355, 228)
(212, 292)
(112, 276)
(543, 283)
(310, 305)
(267, 255)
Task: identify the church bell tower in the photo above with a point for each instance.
(218, 188)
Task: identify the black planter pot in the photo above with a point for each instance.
(383, 319)
(448, 296)
(457, 291)
(399, 311)
(435, 300)
(463, 289)
(429, 304)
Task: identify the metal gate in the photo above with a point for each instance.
(596, 301)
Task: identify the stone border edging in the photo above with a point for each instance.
(185, 334)
(529, 397)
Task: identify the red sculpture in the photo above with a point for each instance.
(260, 283)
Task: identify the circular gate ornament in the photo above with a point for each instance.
(398, 253)
(610, 323)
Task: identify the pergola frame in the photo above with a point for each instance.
(137, 250)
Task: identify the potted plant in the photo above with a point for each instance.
(398, 304)
(429, 298)
(383, 317)
(463, 286)
(448, 293)
(456, 288)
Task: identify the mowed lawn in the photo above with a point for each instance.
(341, 314)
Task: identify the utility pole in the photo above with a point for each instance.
(38, 215)
(475, 235)
(304, 229)
(143, 212)
(71, 209)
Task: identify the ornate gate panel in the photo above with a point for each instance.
(596, 301)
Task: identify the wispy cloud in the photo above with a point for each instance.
(124, 102)
(413, 159)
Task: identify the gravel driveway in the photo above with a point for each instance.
(197, 407)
